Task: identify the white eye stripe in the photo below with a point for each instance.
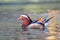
(24, 16)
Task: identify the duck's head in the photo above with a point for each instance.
(26, 21)
(22, 17)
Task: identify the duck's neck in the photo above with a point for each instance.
(26, 22)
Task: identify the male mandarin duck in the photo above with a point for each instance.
(28, 23)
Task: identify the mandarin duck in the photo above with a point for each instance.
(28, 23)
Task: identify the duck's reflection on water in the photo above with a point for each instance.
(33, 34)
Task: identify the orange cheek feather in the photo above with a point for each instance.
(25, 23)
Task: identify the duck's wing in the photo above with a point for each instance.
(44, 19)
(40, 19)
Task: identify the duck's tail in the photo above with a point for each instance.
(48, 19)
(47, 22)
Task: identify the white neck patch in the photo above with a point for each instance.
(24, 16)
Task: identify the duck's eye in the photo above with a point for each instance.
(22, 16)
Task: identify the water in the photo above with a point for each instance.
(10, 28)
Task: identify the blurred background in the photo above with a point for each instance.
(10, 10)
(31, 6)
